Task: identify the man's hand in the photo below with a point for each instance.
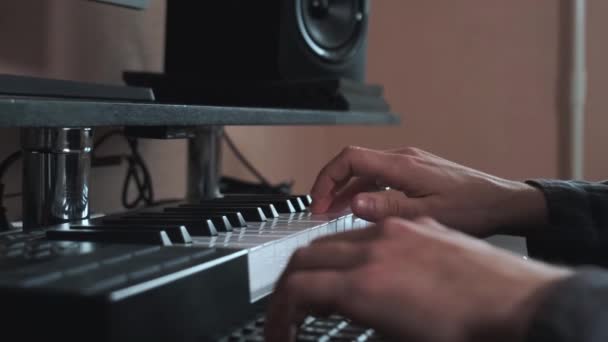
(425, 185)
(411, 281)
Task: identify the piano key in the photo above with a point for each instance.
(150, 237)
(282, 206)
(235, 218)
(201, 228)
(248, 214)
(177, 234)
(221, 222)
(305, 200)
(269, 210)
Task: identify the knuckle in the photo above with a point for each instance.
(351, 150)
(426, 220)
(412, 151)
(393, 206)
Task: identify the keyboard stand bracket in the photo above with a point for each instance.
(204, 163)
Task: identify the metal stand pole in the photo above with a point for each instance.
(204, 163)
(56, 169)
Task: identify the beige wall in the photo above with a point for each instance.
(474, 80)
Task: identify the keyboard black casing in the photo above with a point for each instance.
(192, 297)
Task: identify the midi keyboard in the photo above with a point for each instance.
(179, 272)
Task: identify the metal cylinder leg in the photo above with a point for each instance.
(56, 169)
(204, 163)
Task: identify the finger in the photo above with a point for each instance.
(353, 236)
(425, 222)
(374, 207)
(345, 196)
(337, 255)
(390, 169)
(300, 294)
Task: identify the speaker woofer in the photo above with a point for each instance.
(332, 29)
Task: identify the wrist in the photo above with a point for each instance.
(522, 209)
(535, 293)
(510, 318)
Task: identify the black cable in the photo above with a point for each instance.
(105, 137)
(137, 174)
(242, 159)
(5, 224)
(8, 162)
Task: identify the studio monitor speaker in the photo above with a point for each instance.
(267, 39)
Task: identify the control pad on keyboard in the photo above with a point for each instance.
(313, 329)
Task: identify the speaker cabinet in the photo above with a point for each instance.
(267, 39)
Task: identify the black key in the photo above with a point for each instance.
(248, 214)
(268, 209)
(177, 234)
(201, 228)
(248, 330)
(305, 337)
(347, 336)
(260, 321)
(324, 324)
(220, 222)
(189, 223)
(236, 220)
(307, 199)
(283, 206)
(302, 201)
(236, 336)
(150, 237)
(314, 330)
(353, 329)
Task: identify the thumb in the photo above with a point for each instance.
(376, 206)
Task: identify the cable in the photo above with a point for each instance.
(137, 174)
(8, 162)
(244, 160)
(105, 137)
(5, 224)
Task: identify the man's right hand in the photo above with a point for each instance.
(423, 184)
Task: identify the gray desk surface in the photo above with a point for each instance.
(28, 112)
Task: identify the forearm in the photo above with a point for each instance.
(574, 309)
(577, 224)
(520, 209)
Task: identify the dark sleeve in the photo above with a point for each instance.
(573, 310)
(578, 223)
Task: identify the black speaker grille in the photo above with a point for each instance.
(333, 29)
